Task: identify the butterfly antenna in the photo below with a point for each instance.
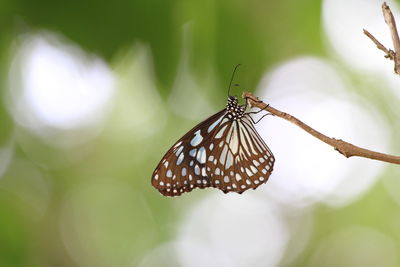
(233, 75)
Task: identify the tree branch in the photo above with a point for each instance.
(390, 21)
(346, 149)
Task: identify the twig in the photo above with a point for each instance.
(390, 21)
(389, 53)
(346, 149)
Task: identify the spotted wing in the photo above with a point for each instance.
(240, 159)
(184, 166)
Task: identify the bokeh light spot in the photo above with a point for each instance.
(232, 231)
(306, 169)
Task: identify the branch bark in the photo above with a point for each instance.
(390, 21)
(346, 149)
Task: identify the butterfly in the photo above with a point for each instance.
(224, 151)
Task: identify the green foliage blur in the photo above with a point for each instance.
(93, 201)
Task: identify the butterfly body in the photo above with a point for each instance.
(224, 151)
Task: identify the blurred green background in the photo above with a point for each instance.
(94, 92)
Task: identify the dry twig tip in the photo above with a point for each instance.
(390, 21)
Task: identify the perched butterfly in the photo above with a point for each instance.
(224, 151)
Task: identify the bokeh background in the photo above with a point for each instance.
(94, 92)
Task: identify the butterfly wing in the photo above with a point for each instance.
(184, 167)
(240, 159)
(224, 152)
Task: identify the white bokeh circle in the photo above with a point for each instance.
(55, 87)
(231, 230)
(306, 169)
(343, 24)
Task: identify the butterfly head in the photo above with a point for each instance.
(234, 109)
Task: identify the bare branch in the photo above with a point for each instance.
(344, 148)
(390, 21)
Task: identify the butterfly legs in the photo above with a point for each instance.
(262, 117)
(256, 112)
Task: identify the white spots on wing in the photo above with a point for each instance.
(229, 134)
(197, 138)
(183, 172)
(231, 173)
(257, 142)
(173, 177)
(256, 181)
(212, 126)
(229, 160)
(217, 171)
(255, 162)
(179, 150)
(249, 139)
(243, 186)
(226, 179)
(216, 182)
(193, 152)
(166, 164)
(211, 146)
(208, 169)
(223, 155)
(261, 160)
(162, 183)
(197, 169)
(211, 158)
(253, 169)
(238, 177)
(249, 173)
(264, 171)
(248, 182)
(201, 155)
(180, 159)
(169, 173)
(261, 178)
(224, 120)
(178, 144)
(190, 177)
(221, 132)
(168, 185)
(241, 169)
(203, 171)
(215, 162)
(243, 141)
(234, 140)
(156, 177)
